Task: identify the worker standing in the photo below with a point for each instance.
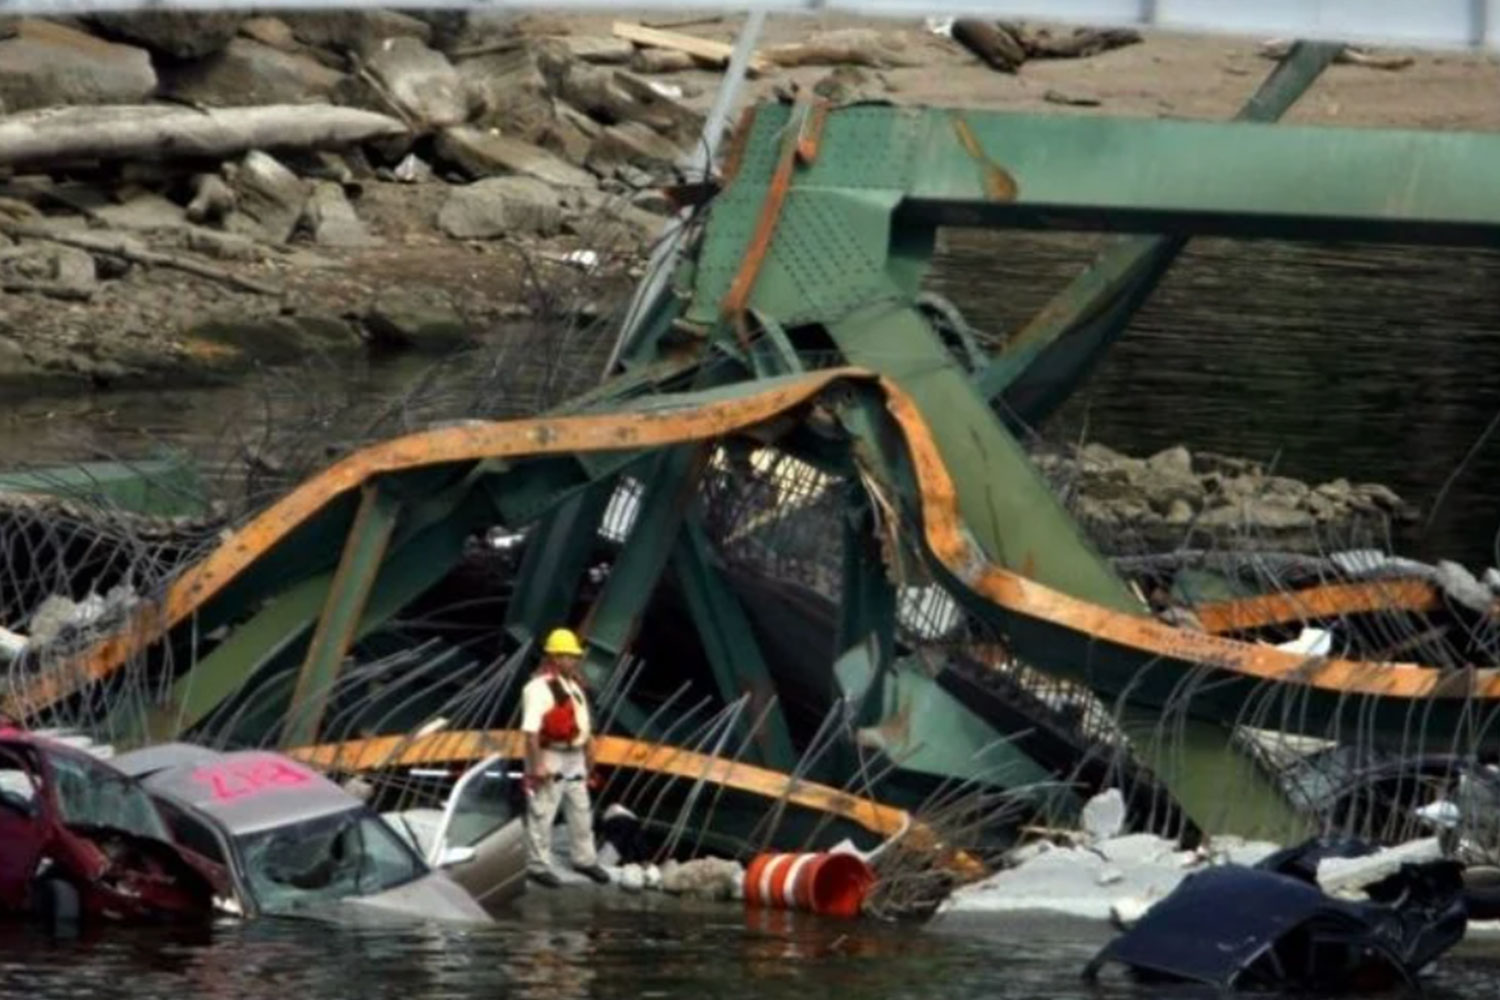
(559, 760)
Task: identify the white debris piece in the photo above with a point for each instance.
(1344, 876)
(1104, 815)
(653, 877)
(632, 878)
(704, 878)
(1310, 642)
(12, 645)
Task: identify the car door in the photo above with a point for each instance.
(23, 827)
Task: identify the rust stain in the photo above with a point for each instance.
(380, 752)
(999, 185)
(738, 297)
(810, 142)
(1318, 602)
(734, 156)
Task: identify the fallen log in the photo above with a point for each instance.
(999, 48)
(57, 135)
(844, 47)
(128, 250)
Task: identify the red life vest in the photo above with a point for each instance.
(560, 722)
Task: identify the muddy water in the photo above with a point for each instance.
(556, 950)
(1377, 363)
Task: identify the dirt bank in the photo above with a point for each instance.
(426, 240)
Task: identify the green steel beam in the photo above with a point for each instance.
(1005, 502)
(1044, 362)
(733, 653)
(364, 550)
(671, 481)
(556, 555)
(867, 610)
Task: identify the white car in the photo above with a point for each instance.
(295, 842)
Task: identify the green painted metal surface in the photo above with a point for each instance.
(1045, 361)
(734, 656)
(166, 487)
(368, 539)
(1005, 502)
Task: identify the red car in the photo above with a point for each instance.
(79, 840)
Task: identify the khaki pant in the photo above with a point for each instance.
(568, 790)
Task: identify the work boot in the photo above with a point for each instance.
(594, 871)
(545, 877)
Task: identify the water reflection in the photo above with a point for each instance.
(597, 947)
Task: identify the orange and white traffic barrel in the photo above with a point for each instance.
(832, 884)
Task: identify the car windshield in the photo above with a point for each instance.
(321, 860)
(91, 794)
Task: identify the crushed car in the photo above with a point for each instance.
(82, 841)
(1272, 927)
(293, 841)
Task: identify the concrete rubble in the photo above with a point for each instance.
(1118, 878)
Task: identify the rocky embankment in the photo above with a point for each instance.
(185, 194)
(1179, 499)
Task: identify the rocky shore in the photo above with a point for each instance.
(1178, 499)
(183, 195)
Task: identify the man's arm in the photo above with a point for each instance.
(534, 767)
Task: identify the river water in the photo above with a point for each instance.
(630, 948)
(1370, 363)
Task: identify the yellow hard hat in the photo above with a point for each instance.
(562, 642)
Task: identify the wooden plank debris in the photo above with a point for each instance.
(704, 49)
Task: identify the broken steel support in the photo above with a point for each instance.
(1006, 503)
(733, 653)
(364, 550)
(552, 565)
(1044, 362)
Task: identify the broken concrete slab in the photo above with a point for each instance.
(484, 153)
(47, 64)
(510, 91)
(500, 206)
(248, 73)
(181, 34)
(419, 319)
(570, 134)
(146, 212)
(333, 220)
(603, 49)
(50, 269)
(420, 80)
(632, 143)
(270, 198)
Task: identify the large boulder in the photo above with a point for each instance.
(181, 34)
(511, 91)
(420, 80)
(248, 72)
(634, 144)
(45, 64)
(419, 319)
(481, 153)
(501, 206)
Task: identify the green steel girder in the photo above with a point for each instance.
(1004, 500)
(867, 609)
(733, 653)
(364, 550)
(671, 482)
(1044, 362)
(552, 565)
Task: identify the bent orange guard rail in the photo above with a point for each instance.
(954, 548)
(470, 442)
(380, 752)
(942, 526)
(1323, 601)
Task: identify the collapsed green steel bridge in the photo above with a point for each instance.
(795, 325)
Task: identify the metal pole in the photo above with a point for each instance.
(668, 248)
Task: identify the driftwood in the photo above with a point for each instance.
(844, 47)
(1350, 55)
(1006, 46)
(706, 49)
(133, 252)
(58, 135)
(661, 61)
